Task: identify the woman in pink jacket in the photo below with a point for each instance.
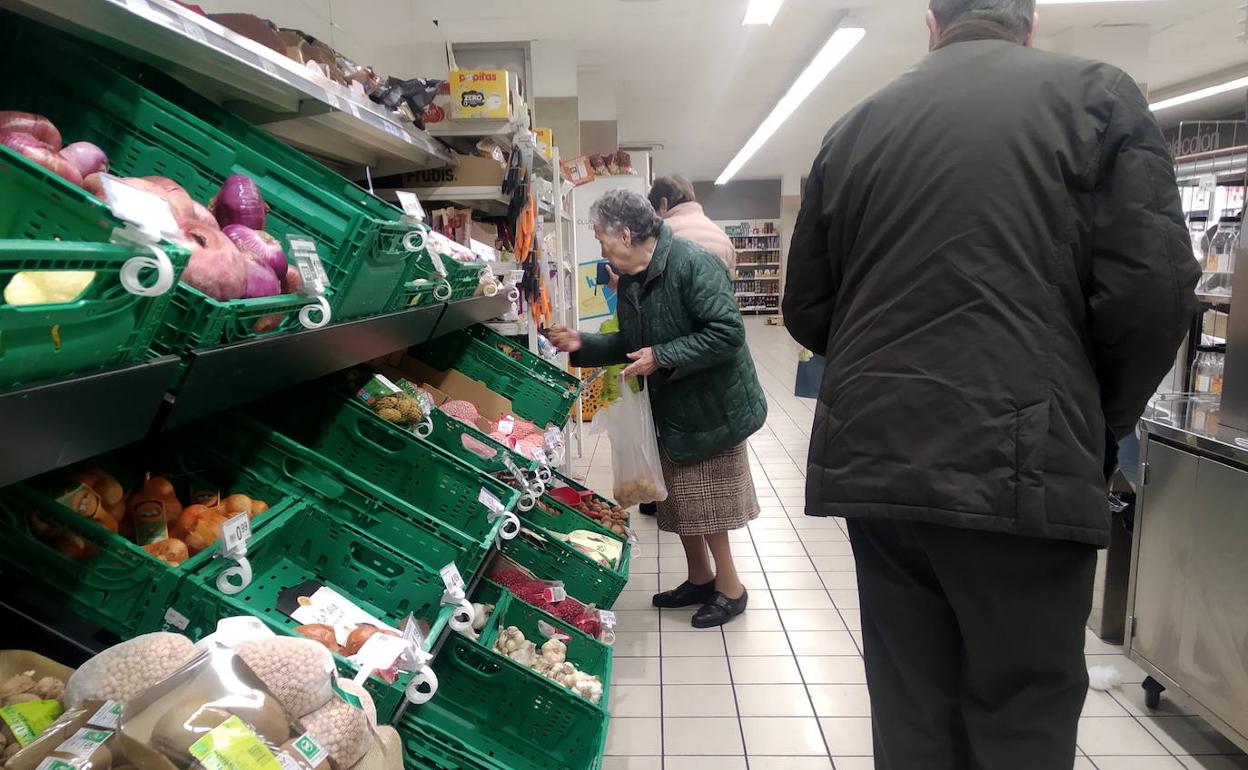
(673, 199)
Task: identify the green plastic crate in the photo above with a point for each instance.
(144, 134)
(423, 284)
(122, 588)
(42, 206)
(338, 492)
(585, 580)
(304, 544)
(539, 390)
(564, 520)
(587, 653)
(490, 711)
(373, 282)
(389, 457)
(104, 326)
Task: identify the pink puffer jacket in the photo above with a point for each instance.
(688, 221)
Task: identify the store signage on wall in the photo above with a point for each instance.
(1203, 137)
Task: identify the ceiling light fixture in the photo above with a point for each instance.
(833, 52)
(1203, 93)
(761, 12)
(1087, 2)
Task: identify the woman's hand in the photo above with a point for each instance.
(564, 339)
(643, 363)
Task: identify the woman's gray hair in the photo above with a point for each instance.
(619, 210)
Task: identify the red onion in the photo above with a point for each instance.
(36, 125)
(94, 184)
(216, 267)
(86, 157)
(262, 246)
(239, 202)
(292, 282)
(260, 281)
(33, 149)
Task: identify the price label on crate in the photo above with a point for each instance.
(308, 262)
(553, 439)
(235, 533)
(487, 498)
(439, 266)
(607, 618)
(506, 425)
(539, 454)
(151, 213)
(410, 204)
(412, 660)
(453, 581)
(514, 470)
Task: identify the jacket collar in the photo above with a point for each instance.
(686, 209)
(972, 30)
(662, 249)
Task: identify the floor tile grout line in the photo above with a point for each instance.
(805, 687)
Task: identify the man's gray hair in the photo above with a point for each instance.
(619, 210)
(1015, 15)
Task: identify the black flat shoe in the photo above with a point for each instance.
(719, 610)
(685, 595)
(648, 509)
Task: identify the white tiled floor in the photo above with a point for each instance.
(785, 688)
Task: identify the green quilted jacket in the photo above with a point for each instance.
(706, 397)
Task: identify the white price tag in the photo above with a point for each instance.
(416, 643)
(439, 266)
(607, 618)
(507, 425)
(491, 502)
(235, 533)
(540, 455)
(453, 581)
(308, 262)
(410, 204)
(176, 619)
(550, 632)
(148, 211)
(378, 654)
(194, 31)
(555, 592)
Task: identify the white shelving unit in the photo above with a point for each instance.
(759, 265)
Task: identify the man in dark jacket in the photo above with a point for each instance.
(991, 253)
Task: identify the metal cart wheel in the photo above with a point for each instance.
(1152, 692)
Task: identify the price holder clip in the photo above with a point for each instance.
(496, 510)
(315, 280)
(235, 532)
(411, 205)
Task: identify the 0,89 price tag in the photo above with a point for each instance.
(308, 262)
(235, 533)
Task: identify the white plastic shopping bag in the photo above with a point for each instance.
(634, 448)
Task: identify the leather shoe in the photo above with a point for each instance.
(719, 610)
(648, 509)
(685, 595)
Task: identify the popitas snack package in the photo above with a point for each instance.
(215, 714)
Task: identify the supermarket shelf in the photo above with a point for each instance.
(484, 198)
(758, 264)
(758, 251)
(309, 111)
(58, 423)
(509, 328)
(756, 294)
(765, 310)
(1214, 299)
(52, 425)
(501, 131)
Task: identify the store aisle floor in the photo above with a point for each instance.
(783, 686)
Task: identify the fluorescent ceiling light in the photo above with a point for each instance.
(762, 11)
(1195, 96)
(837, 48)
(1087, 2)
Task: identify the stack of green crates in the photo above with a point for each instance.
(48, 224)
(145, 134)
(540, 391)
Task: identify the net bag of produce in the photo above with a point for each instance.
(629, 422)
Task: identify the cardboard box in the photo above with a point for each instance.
(466, 171)
(481, 94)
(545, 142)
(448, 385)
(251, 27)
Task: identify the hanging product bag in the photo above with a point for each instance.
(629, 423)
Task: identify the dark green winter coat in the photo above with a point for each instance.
(706, 397)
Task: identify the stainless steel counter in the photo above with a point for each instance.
(1193, 422)
(1187, 623)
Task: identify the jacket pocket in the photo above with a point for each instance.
(1030, 446)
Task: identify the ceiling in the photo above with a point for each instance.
(685, 74)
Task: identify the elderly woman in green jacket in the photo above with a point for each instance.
(680, 329)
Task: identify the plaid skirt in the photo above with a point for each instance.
(714, 495)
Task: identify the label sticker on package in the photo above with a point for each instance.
(607, 618)
(555, 591)
(307, 747)
(27, 720)
(232, 745)
(108, 716)
(176, 619)
(84, 742)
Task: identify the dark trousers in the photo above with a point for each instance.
(973, 644)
